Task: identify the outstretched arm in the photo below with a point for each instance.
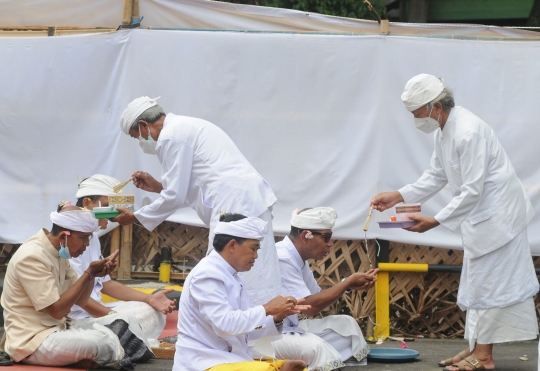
(158, 301)
(324, 298)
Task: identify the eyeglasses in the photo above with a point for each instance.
(325, 236)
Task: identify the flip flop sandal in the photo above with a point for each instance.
(448, 362)
(5, 359)
(470, 362)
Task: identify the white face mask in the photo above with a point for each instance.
(427, 124)
(148, 145)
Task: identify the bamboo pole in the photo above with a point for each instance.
(128, 11)
(115, 245)
(124, 265)
(135, 18)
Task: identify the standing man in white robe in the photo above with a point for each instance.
(489, 203)
(149, 310)
(215, 321)
(202, 168)
(331, 342)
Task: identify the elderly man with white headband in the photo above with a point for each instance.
(216, 322)
(149, 310)
(490, 206)
(40, 288)
(202, 168)
(331, 342)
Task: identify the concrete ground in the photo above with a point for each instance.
(506, 356)
(431, 351)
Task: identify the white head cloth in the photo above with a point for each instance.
(420, 90)
(76, 220)
(316, 218)
(252, 228)
(97, 185)
(134, 110)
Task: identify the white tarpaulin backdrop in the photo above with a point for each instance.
(319, 117)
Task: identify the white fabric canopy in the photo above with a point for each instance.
(319, 116)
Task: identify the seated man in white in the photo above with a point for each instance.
(40, 287)
(215, 321)
(150, 310)
(324, 344)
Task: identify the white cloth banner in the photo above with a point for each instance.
(319, 116)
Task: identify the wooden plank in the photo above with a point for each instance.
(124, 265)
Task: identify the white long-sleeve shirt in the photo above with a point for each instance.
(297, 279)
(80, 264)
(215, 321)
(201, 167)
(489, 201)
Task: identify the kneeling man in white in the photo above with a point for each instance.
(333, 341)
(216, 321)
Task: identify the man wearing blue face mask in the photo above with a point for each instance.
(490, 205)
(40, 288)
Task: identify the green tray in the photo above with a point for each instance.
(105, 214)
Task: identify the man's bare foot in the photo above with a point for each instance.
(293, 365)
(485, 360)
(455, 359)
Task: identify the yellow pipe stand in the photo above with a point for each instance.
(382, 294)
(165, 272)
(402, 267)
(382, 306)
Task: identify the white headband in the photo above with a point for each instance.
(97, 185)
(252, 228)
(420, 90)
(316, 218)
(76, 220)
(134, 110)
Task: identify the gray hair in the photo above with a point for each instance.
(446, 99)
(151, 115)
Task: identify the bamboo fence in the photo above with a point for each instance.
(420, 303)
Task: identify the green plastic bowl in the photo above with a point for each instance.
(105, 214)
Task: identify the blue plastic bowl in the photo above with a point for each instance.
(392, 354)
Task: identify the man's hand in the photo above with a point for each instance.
(424, 223)
(290, 311)
(146, 182)
(386, 200)
(362, 281)
(126, 217)
(161, 303)
(101, 268)
(279, 304)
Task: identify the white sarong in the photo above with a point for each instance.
(86, 338)
(324, 344)
(501, 325)
(151, 321)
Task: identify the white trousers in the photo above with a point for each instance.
(86, 338)
(263, 281)
(324, 344)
